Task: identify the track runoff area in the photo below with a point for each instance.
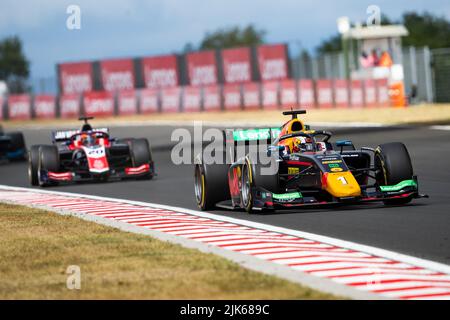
(345, 268)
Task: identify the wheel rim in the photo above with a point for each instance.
(198, 185)
(245, 186)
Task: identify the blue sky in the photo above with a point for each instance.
(131, 28)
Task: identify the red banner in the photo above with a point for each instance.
(382, 92)
(272, 62)
(160, 72)
(127, 102)
(232, 97)
(356, 94)
(211, 98)
(98, 103)
(288, 94)
(306, 94)
(370, 93)
(202, 69)
(44, 107)
(191, 99)
(270, 95)
(149, 101)
(324, 91)
(76, 77)
(170, 99)
(19, 107)
(69, 105)
(117, 74)
(341, 93)
(236, 65)
(251, 95)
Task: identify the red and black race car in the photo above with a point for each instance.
(301, 167)
(89, 155)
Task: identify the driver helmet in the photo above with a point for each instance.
(87, 139)
(302, 144)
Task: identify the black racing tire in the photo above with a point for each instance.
(48, 160)
(17, 143)
(33, 165)
(211, 185)
(140, 153)
(253, 176)
(393, 165)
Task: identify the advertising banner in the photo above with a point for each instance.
(341, 97)
(160, 71)
(170, 99)
(19, 107)
(191, 99)
(149, 101)
(288, 94)
(127, 102)
(69, 106)
(76, 77)
(117, 74)
(202, 68)
(370, 93)
(236, 65)
(306, 94)
(98, 103)
(44, 107)
(270, 95)
(211, 98)
(382, 92)
(324, 89)
(252, 96)
(356, 94)
(232, 97)
(272, 62)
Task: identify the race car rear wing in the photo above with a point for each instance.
(64, 135)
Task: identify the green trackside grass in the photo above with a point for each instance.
(37, 246)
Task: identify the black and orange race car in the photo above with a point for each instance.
(294, 166)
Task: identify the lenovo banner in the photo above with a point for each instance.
(236, 65)
(272, 62)
(19, 107)
(160, 72)
(149, 101)
(324, 90)
(251, 95)
(75, 77)
(288, 94)
(341, 93)
(370, 94)
(117, 74)
(306, 94)
(44, 107)
(69, 106)
(382, 92)
(270, 95)
(356, 94)
(170, 99)
(232, 97)
(211, 98)
(99, 103)
(202, 69)
(127, 102)
(191, 99)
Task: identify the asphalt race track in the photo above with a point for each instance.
(421, 229)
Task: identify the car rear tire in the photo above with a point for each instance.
(33, 165)
(211, 185)
(140, 154)
(48, 160)
(393, 165)
(18, 144)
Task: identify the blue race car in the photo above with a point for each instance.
(12, 146)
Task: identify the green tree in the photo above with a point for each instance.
(426, 30)
(14, 67)
(232, 37)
